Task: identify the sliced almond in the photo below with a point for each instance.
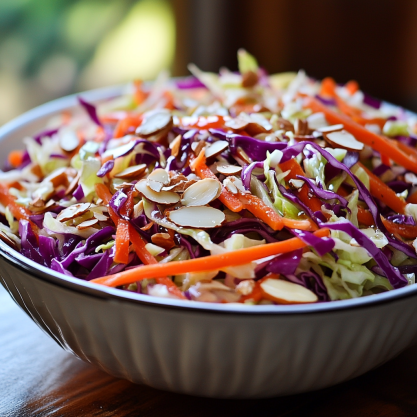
(131, 172)
(157, 179)
(100, 216)
(301, 127)
(332, 128)
(138, 209)
(229, 169)
(230, 186)
(87, 224)
(39, 208)
(296, 183)
(155, 122)
(175, 145)
(74, 184)
(58, 177)
(245, 287)
(179, 187)
(197, 147)
(249, 79)
(243, 156)
(6, 239)
(199, 217)
(345, 140)
(286, 292)
(68, 140)
(162, 197)
(216, 148)
(73, 211)
(202, 192)
(164, 240)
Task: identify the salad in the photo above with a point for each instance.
(237, 187)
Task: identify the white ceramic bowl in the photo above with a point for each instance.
(213, 350)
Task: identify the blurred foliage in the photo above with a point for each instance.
(49, 48)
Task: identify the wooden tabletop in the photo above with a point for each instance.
(38, 378)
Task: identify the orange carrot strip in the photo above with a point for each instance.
(172, 288)
(413, 198)
(328, 87)
(352, 86)
(404, 230)
(381, 191)
(385, 160)
(263, 212)
(295, 169)
(127, 126)
(207, 263)
(15, 158)
(19, 212)
(381, 144)
(365, 217)
(203, 171)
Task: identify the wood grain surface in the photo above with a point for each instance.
(38, 378)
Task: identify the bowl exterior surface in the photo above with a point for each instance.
(211, 354)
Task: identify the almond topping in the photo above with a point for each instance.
(197, 147)
(131, 172)
(202, 192)
(216, 148)
(245, 287)
(74, 184)
(249, 79)
(68, 140)
(6, 239)
(286, 292)
(87, 224)
(328, 129)
(162, 197)
(345, 140)
(164, 240)
(100, 216)
(175, 145)
(229, 169)
(73, 211)
(199, 217)
(155, 122)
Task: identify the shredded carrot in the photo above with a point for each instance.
(365, 217)
(413, 198)
(127, 125)
(203, 171)
(385, 160)
(405, 230)
(139, 95)
(139, 245)
(384, 193)
(304, 194)
(16, 158)
(352, 86)
(328, 87)
(19, 212)
(381, 144)
(207, 263)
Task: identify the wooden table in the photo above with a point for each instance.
(38, 378)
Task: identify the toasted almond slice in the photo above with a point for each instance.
(216, 148)
(296, 183)
(87, 224)
(245, 287)
(345, 140)
(163, 197)
(200, 217)
(73, 211)
(159, 175)
(230, 186)
(58, 177)
(68, 140)
(175, 145)
(100, 216)
(6, 239)
(197, 147)
(74, 183)
(202, 192)
(180, 187)
(229, 169)
(131, 172)
(154, 185)
(39, 209)
(155, 122)
(164, 240)
(332, 128)
(286, 292)
(138, 209)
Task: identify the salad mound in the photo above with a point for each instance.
(228, 188)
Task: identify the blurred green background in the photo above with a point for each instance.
(50, 48)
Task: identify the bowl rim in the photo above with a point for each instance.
(43, 273)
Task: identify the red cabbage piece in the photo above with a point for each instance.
(399, 186)
(44, 134)
(320, 245)
(57, 266)
(178, 163)
(371, 101)
(393, 274)
(88, 261)
(380, 169)
(37, 219)
(324, 194)
(402, 219)
(117, 202)
(78, 194)
(29, 244)
(254, 148)
(48, 249)
(101, 267)
(285, 264)
(189, 83)
(247, 172)
(106, 168)
(312, 281)
(91, 111)
(351, 158)
(326, 101)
